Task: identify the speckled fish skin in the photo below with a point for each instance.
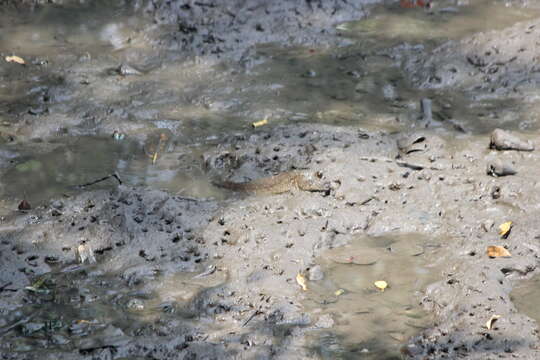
(278, 184)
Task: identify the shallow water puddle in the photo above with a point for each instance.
(88, 27)
(369, 322)
(444, 21)
(525, 295)
(343, 86)
(39, 175)
(364, 83)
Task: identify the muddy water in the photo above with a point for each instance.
(361, 84)
(369, 322)
(90, 27)
(443, 21)
(525, 295)
(364, 83)
(78, 161)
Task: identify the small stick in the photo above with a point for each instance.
(17, 323)
(427, 114)
(100, 180)
(255, 313)
(3, 287)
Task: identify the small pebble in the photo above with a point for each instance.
(315, 273)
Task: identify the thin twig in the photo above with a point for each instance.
(255, 313)
(115, 175)
(3, 287)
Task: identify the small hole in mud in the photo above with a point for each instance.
(472, 253)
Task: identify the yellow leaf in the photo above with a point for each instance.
(491, 321)
(15, 58)
(302, 281)
(154, 158)
(339, 292)
(497, 251)
(381, 284)
(504, 228)
(260, 123)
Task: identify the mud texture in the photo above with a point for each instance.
(132, 272)
(232, 27)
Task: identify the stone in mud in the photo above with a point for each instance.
(427, 112)
(110, 337)
(315, 273)
(496, 167)
(504, 140)
(31, 327)
(325, 322)
(135, 305)
(57, 204)
(411, 143)
(127, 70)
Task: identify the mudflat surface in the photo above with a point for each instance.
(391, 107)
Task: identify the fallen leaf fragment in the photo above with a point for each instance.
(260, 123)
(24, 206)
(15, 58)
(85, 252)
(497, 251)
(491, 321)
(302, 281)
(381, 285)
(504, 228)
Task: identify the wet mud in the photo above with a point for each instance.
(418, 129)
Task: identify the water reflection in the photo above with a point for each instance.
(39, 176)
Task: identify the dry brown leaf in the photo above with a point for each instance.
(381, 284)
(504, 228)
(16, 59)
(491, 321)
(497, 251)
(302, 281)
